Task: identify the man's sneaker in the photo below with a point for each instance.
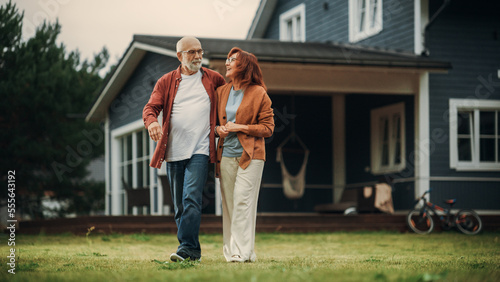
(181, 256)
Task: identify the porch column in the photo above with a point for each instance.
(338, 143)
(421, 156)
(116, 193)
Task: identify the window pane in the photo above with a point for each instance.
(123, 203)
(289, 30)
(385, 140)
(122, 176)
(463, 120)
(122, 151)
(385, 129)
(139, 144)
(464, 149)
(129, 147)
(397, 138)
(140, 174)
(373, 15)
(385, 155)
(361, 18)
(128, 176)
(487, 123)
(297, 29)
(147, 145)
(397, 157)
(487, 150)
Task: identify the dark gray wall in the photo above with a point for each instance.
(398, 27)
(471, 195)
(313, 122)
(332, 24)
(467, 35)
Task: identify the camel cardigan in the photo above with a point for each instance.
(256, 112)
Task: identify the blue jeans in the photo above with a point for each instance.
(187, 178)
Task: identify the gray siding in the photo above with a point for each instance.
(398, 27)
(127, 107)
(469, 195)
(332, 24)
(321, 25)
(467, 36)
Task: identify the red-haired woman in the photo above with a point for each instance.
(245, 118)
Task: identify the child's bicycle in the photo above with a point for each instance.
(421, 221)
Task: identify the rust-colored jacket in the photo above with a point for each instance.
(256, 112)
(162, 99)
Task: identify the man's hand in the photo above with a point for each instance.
(155, 131)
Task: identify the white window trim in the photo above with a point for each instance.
(116, 183)
(354, 34)
(457, 105)
(299, 11)
(376, 167)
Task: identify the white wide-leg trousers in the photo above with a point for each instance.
(240, 192)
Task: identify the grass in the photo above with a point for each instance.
(358, 256)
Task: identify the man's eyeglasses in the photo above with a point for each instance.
(192, 52)
(230, 60)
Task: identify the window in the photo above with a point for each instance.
(474, 135)
(365, 19)
(134, 162)
(293, 24)
(388, 139)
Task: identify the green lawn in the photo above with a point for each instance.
(357, 256)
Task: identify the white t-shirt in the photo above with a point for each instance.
(189, 121)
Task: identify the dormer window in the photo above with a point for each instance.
(365, 19)
(293, 24)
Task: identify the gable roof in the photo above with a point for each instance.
(261, 20)
(266, 51)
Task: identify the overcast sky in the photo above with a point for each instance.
(88, 25)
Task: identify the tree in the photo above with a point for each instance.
(45, 92)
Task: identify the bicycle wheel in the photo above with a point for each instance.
(420, 221)
(468, 222)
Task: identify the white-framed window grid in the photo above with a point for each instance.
(365, 19)
(134, 155)
(293, 24)
(474, 135)
(387, 140)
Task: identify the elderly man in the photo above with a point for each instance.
(186, 139)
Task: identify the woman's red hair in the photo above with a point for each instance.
(247, 69)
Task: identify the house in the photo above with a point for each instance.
(400, 90)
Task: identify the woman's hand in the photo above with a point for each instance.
(234, 127)
(222, 131)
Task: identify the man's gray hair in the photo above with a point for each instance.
(180, 43)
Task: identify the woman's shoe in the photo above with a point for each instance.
(237, 258)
